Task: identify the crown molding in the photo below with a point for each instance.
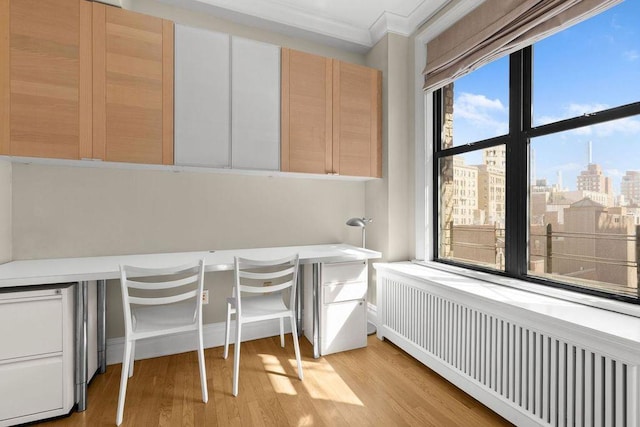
(297, 18)
(300, 22)
(390, 22)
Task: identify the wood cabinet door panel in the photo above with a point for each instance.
(356, 137)
(133, 134)
(306, 112)
(54, 21)
(131, 93)
(44, 102)
(44, 129)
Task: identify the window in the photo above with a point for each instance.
(538, 161)
(472, 176)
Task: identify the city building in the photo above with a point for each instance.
(465, 193)
(593, 179)
(596, 243)
(630, 187)
(491, 193)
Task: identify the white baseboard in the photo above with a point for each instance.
(213, 335)
(372, 313)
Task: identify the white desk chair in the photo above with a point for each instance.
(167, 301)
(266, 303)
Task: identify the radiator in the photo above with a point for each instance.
(524, 370)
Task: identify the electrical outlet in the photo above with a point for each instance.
(205, 297)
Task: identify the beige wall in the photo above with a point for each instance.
(5, 211)
(62, 211)
(376, 192)
(400, 149)
(390, 201)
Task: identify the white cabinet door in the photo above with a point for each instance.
(343, 326)
(343, 308)
(31, 387)
(30, 326)
(36, 354)
(255, 100)
(202, 113)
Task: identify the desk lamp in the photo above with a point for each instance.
(362, 223)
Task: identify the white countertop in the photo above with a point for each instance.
(62, 270)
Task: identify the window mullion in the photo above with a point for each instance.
(517, 164)
(437, 142)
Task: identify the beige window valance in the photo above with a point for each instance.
(497, 28)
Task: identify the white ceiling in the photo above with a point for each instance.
(353, 24)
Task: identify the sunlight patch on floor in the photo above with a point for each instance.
(278, 377)
(320, 380)
(306, 420)
(323, 382)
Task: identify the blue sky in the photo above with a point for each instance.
(591, 66)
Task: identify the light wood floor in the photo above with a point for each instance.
(376, 386)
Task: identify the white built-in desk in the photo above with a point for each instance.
(17, 275)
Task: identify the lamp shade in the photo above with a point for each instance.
(362, 223)
(357, 222)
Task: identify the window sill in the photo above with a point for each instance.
(566, 295)
(616, 334)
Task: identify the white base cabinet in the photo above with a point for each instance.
(36, 354)
(342, 314)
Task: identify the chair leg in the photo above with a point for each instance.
(236, 358)
(226, 332)
(296, 347)
(132, 358)
(203, 372)
(282, 332)
(123, 381)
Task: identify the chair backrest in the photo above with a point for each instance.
(251, 276)
(161, 286)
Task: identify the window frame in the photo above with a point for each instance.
(521, 131)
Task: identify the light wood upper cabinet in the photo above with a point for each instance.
(331, 116)
(83, 80)
(45, 79)
(357, 119)
(132, 87)
(306, 103)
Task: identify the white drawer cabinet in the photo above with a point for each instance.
(23, 332)
(36, 354)
(343, 326)
(342, 315)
